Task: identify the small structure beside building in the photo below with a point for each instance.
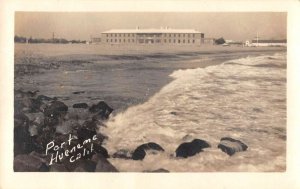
(266, 43)
(152, 36)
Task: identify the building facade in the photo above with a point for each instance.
(153, 36)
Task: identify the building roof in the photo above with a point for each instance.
(165, 30)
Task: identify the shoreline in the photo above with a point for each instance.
(100, 49)
(87, 117)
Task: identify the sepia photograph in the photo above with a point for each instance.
(150, 92)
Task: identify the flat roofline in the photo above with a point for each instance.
(136, 31)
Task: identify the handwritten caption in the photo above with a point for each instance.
(68, 150)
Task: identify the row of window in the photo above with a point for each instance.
(150, 41)
(120, 41)
(151, 35)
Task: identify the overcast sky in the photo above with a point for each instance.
(235, 26)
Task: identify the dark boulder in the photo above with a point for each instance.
(188, 149)
(55, 109)
(21, 133)
(122, 154)
(55, 112)
(102, 110)
(85, 133)
(80, 105)
(85, 166)
(140, 152)
(29, 163)
(58, 168)
(100, 150)
(103, 165)
(230, 146)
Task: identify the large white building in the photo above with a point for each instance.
(151, 36)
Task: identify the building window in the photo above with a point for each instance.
(111, 40)
(183, 41)
(165, 41)
(193, 41)
(178, 35)
(193, 35)
(128, 40)
(178, 40)
(174, 41)
(174, 34)
(188, 41)
(132, 40)
(188, 35)
(115, 40)
(107, 40)
(183, 35)
(115, 35)
(169, 35)
(170, 40)
(124, 41)
(120, 40)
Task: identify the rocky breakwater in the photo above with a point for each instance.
(50, 136)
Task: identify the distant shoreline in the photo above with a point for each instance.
(102, 49)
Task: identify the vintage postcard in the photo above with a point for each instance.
(154, 91)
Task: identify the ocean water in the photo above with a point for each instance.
(170, 98)
(243, 98)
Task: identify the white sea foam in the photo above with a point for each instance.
(244, 99)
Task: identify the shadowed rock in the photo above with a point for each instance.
(122, 154)
(55, 109)
(230, 146)
(85, 166)
(58, 168)
(103, 165)
(140, 152)
(188, 149)
(29, 163)
(102, 110)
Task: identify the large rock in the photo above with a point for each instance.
(230, 146)
(21, 133)
(85, 166)
(140, 152)
(56, 108)
(55, 112)
(102, 110)
(58, 168)
(122, 154)
(188, 149)
(29, 163)
(103, 165)
(85, 133)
